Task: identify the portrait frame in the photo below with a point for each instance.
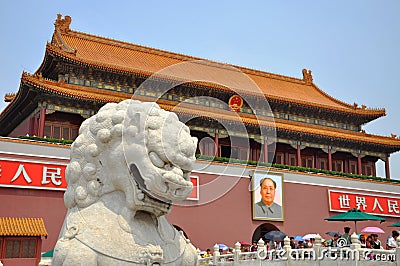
(261, 211)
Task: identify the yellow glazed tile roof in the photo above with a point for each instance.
(10, 226)
(82, 92)
(131, 58)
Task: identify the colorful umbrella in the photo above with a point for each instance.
(223, 246)
(244, 244)
(395, 224)
(309, 236)
(355, 215)
(298, 238)
(48, 254)
(333, 233)
(372, 229)
(275, 235)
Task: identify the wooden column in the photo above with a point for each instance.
(329, 160)
(216, 147)
(35, 125)
(359, 166)
(346, 165)
(387, 168)
(42, 119)
(298, 155)
(266, 151)
(285, 158)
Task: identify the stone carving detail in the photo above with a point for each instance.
(130, 162)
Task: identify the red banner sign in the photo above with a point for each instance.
(195, 192)
(33, 175)
(48, 176)
(342, 201)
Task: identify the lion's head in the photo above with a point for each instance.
(135, 148)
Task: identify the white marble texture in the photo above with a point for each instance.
(130, 162)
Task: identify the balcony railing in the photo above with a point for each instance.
(317, 255)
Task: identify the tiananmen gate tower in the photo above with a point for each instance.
(248, 123)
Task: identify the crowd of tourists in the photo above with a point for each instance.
(370, 241)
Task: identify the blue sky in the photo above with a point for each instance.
(352, 47)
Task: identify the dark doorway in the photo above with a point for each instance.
(261, 230)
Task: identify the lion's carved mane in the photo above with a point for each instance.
(130, 162)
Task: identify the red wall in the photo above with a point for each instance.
(34, 203)
(227, 219)
(20, 262)
(26, 127)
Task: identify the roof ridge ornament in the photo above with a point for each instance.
(9, 97)
(62, 27)
(62, 24)
(307, 76)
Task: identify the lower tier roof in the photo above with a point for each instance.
(11, 226)
(33, 82)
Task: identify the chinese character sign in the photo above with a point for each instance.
(374, 204)
(48, 176)
(30, 174)
(195, 192)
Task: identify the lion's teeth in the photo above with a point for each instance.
(177, 171)
(156, 160)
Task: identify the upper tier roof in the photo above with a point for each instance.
(131, 58)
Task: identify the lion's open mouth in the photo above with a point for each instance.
(175, 183)
(140, 181)
(167, 166)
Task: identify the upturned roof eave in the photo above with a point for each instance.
(12, 115)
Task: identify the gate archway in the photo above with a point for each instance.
(261, 230)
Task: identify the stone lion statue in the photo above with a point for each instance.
(130, 162)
